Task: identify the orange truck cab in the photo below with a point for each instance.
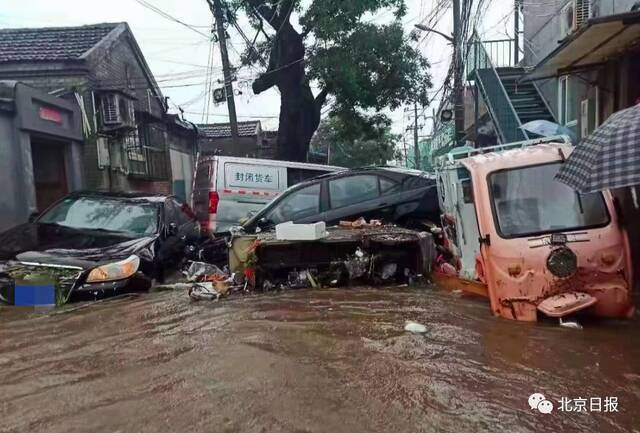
(529, 243)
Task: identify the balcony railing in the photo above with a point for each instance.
(499, 53)
(481, 68)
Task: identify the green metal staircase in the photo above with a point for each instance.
(511, 104)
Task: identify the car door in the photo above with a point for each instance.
(351, 197)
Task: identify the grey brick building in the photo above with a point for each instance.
(253, 142)
(41, 146)
(131, 143)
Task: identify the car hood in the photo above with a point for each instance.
(53, 244)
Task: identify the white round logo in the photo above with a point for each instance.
(538, 402)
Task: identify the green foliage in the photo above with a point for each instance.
(372, 67)
(356, 140)
(336, 20)
(354, 51)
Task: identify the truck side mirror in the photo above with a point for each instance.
(33, 217)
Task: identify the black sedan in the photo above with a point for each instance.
(117, 242)
(393, 195)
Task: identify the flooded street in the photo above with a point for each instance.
(308, 361)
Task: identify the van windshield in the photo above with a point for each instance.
(529, 201)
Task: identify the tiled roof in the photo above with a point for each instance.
(222, 130)
(50, 43)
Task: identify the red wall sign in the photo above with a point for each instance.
(50, 114)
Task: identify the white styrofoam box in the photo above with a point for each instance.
(301, 232)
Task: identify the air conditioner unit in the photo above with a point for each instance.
(573, 15)
(117, 111)
(583, 12)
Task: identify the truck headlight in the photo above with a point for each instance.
(115, 271)
(562, 262)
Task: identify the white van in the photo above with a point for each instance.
(229, 189)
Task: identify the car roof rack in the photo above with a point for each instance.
(466, 152)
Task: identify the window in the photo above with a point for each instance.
(300, 204)
(352, 189)
(387, 186)
(567, 102)
(529, 201)
(105, 213)
(110, 110)
(464, 177)
(298, 175)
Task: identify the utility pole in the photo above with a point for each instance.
(216, 8)
(458, 89)
(416, 145)
(404, 145)
(516, 33)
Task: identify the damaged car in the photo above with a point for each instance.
(110, 243)
(393, 195)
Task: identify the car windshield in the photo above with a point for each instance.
(104, 213)
(530, 201)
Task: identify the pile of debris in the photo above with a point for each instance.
(297, 256)
(313, 256)
(205, 282)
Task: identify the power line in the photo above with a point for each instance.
(160, 12)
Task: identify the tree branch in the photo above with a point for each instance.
(321, 98)
(275, 19)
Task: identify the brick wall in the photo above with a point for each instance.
(247, 146)
(160, 187)
(115, 65)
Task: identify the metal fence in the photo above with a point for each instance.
(481, 69)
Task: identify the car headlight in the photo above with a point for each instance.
(114, 271)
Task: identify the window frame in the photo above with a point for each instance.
(563, 103)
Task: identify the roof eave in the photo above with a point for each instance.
(626, 18)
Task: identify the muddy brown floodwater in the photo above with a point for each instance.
(308, 361)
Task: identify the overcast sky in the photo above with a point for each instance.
(178, 56)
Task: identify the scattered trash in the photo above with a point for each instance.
(358, 265)
(415, 328)
(301, 280)
(267, 285)
(570, 323)
(199, 270)
(206, 282)
(203, 292)
(360, 223)
(389, 270)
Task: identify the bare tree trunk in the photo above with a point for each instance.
(299, 110)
